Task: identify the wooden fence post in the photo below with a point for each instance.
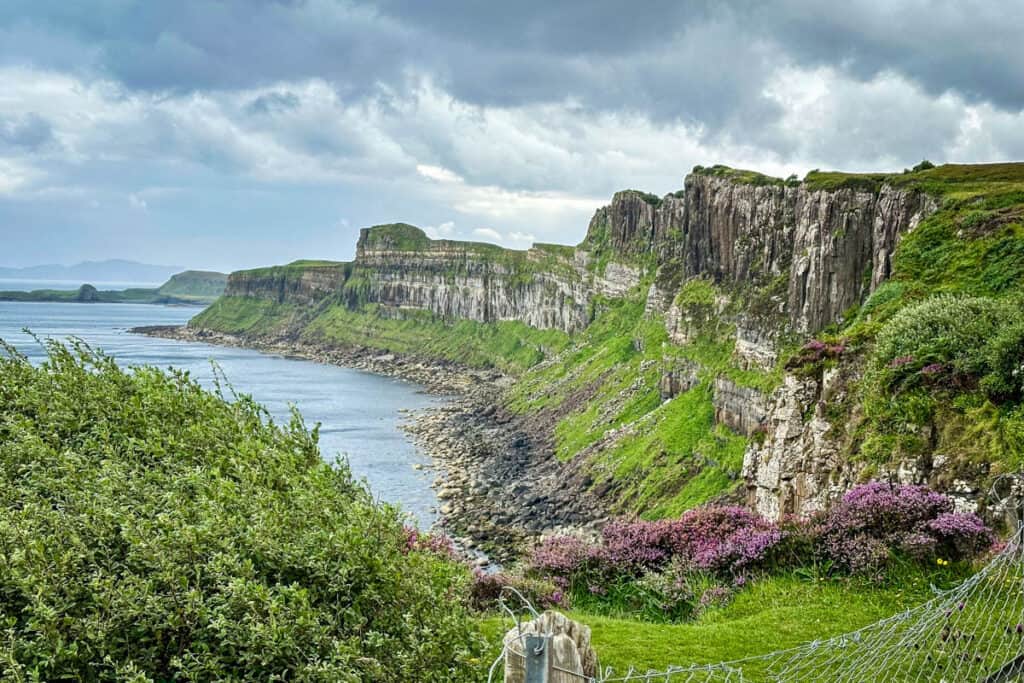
(554, 646)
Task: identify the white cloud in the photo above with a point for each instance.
(533, 172)
(516, 236)
(15, 176)
(441, 175)
(488, 233)
(445, 230)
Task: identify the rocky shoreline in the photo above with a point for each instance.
(499, 485)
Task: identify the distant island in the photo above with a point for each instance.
(110, 270)
(191, 287)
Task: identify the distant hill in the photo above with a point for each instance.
(204, 285)
(111, 270)
(189, 287)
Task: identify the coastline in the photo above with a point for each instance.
(499, 486)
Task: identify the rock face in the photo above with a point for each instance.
(816, 246)
(783, 260)
(798, 468)
(286, 284)
(742, 409)
(821, 242)
(467, 281)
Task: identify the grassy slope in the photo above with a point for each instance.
(668, 456)
(508, 345)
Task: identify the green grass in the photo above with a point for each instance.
(671, 455)
(971, 247)
(395, 236)
(832, 181)
(247, 315)
(770, 614)
(511, 346)
(677, 458)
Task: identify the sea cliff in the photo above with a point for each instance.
(719, 342)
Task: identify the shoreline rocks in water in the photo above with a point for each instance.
(499, 486)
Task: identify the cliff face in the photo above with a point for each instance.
(469, 281)
(299, 283)
(830, 248)
(714, 282)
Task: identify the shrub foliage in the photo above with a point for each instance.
(151, 530)
(674, 569)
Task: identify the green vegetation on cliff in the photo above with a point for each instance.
(247, 315)
(740, 175)
(154, 531)
(943, 377)
(395, 236)
(507, 345)
(648, 455)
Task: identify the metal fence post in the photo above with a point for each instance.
(538, 659)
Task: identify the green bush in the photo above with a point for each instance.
(944, 330)
(1004, 355)
(150, 530)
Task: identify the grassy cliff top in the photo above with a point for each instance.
(739, 175)
(947, 179)
(293, 268)
(394, 236)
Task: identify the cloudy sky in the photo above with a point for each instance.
(233, 133)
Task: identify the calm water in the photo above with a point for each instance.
(358, 411)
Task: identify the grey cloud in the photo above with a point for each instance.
(28, 133)
(273, 102)
(704, 62)
(971, 48)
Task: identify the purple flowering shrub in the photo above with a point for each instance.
(676, 569)
(724, 540)
(876, 519)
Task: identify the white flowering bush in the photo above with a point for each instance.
(952, 340)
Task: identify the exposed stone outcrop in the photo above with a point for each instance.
(802, 466)
(822, 242)
(742, 409)
(678, 375)
(797, 468)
